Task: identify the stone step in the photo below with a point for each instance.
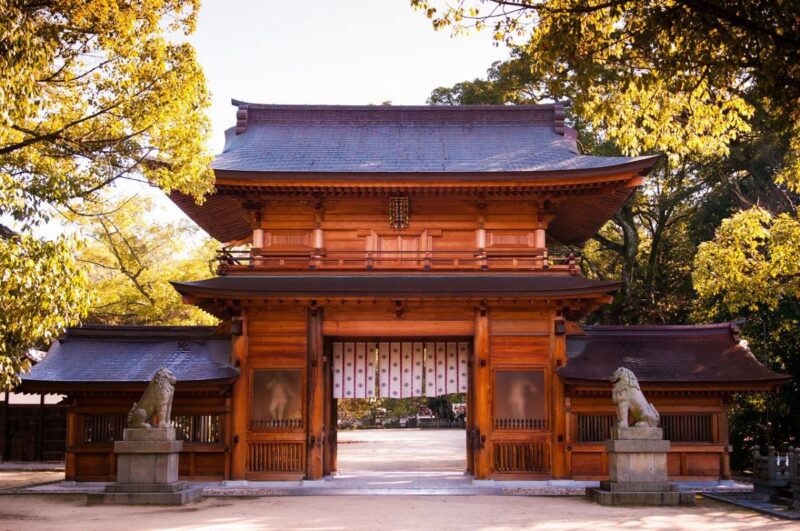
(653, 499)
(638, 487)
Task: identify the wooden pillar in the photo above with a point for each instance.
(72, 442)
(558, 412)
(4, 440)
(329, 419)
(240, 406)
(483, 396)
(227, 436)
(471, 414)
(333, 435)
(724, 440)
(316, 396)
(40, 431)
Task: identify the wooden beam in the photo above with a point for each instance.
(398, 327)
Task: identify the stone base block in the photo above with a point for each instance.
(645, 498)
(638, 487)
(144, 468)
(180, 497)
(639, 446)
(152, 434)
(642, 467)
(632, 432)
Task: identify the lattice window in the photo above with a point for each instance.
(688, 428)
(102, 428)
(594, 428)
(198, 428)
(521, 457)
(275, 457)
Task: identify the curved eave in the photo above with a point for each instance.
(551, 177)
(60, 387)
(393, 287)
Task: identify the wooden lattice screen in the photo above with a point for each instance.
(522, 457)
(276, 457)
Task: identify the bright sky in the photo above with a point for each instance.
(329, 52)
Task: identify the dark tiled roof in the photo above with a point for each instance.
(397, 285)
(404, 139)
(691, 355)
(132, 354)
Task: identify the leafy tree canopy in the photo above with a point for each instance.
(131, 257)
(41, 291)
(751, 264)
(678, 76)
(91, 91)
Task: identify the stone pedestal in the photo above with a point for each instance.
(147, 470)
(637, 471)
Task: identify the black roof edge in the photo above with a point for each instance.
(252, 105)
(141, 332)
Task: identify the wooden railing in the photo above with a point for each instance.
(252, 260)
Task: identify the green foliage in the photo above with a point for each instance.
(751, 265)
(42, 290)
(131, 258)
(666, 75)
(91, 91)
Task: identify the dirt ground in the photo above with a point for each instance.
(21, 478)
(335, 513)
(366, 457)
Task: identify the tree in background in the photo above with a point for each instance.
(30, 315)
(131, 258)
(90, 92)
(680, 76)
(715, 86)
(750, 269)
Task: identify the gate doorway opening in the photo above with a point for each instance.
(400, 412)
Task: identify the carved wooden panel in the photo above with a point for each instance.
(276, 456)
(287, 239)
(510, 239)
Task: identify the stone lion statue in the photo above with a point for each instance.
(156, 401)
(627, 396)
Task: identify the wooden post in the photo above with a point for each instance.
(483, 396)
(72, 442)
(724, 440)
(334, 435)
(471, 364)
(4, 440)
(327, 427)
(228, 437)
(240, 410)
(558, 410)
(40, 433)
(316, 396)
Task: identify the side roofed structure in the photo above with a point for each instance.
(103, 371)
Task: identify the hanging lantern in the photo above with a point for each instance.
(398, 213)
